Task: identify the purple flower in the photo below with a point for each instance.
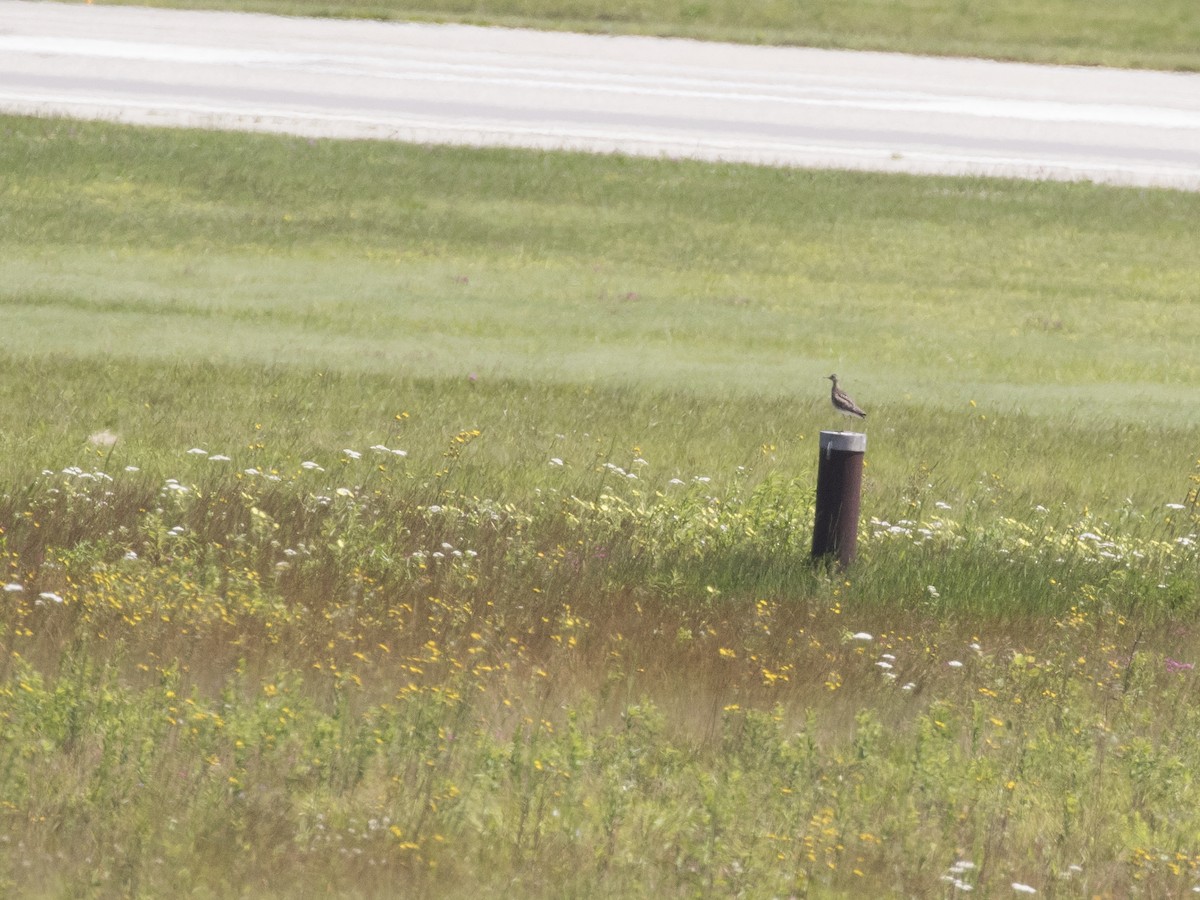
(1174, 665)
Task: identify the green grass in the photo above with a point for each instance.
(247, 651)
(1162, 34)
(971, 316)
(1024, 297)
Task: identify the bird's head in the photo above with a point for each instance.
(831, 377)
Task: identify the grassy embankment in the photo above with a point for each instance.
(302, 663)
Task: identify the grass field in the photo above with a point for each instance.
(1157, 34)
(391, 520)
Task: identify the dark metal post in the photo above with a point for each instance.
(839, 487)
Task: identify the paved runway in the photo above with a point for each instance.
(460, 84)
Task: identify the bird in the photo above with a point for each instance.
(843, 402)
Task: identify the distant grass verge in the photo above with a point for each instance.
(1161, 34)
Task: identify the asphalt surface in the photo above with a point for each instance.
(646, 96)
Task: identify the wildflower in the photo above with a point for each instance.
(12, 587)
(940, 505)
(961, 867)
(196, 451)
(132, 469)
(352, 454)
(1174, 665)
(311, 466)
(863, 636)
(1023, 888)
(130, 556)
(50, 595)
(954, 664)
(555, 461)
(933, 592)
(219, 457)
(1176, 506)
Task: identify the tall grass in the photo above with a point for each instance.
(386, 520)
(336, 674)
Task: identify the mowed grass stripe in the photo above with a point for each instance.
(441, 261)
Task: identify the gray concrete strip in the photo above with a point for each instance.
(645, 96)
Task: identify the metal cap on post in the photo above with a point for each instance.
(839, 487)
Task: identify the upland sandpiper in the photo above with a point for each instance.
(843, 402)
